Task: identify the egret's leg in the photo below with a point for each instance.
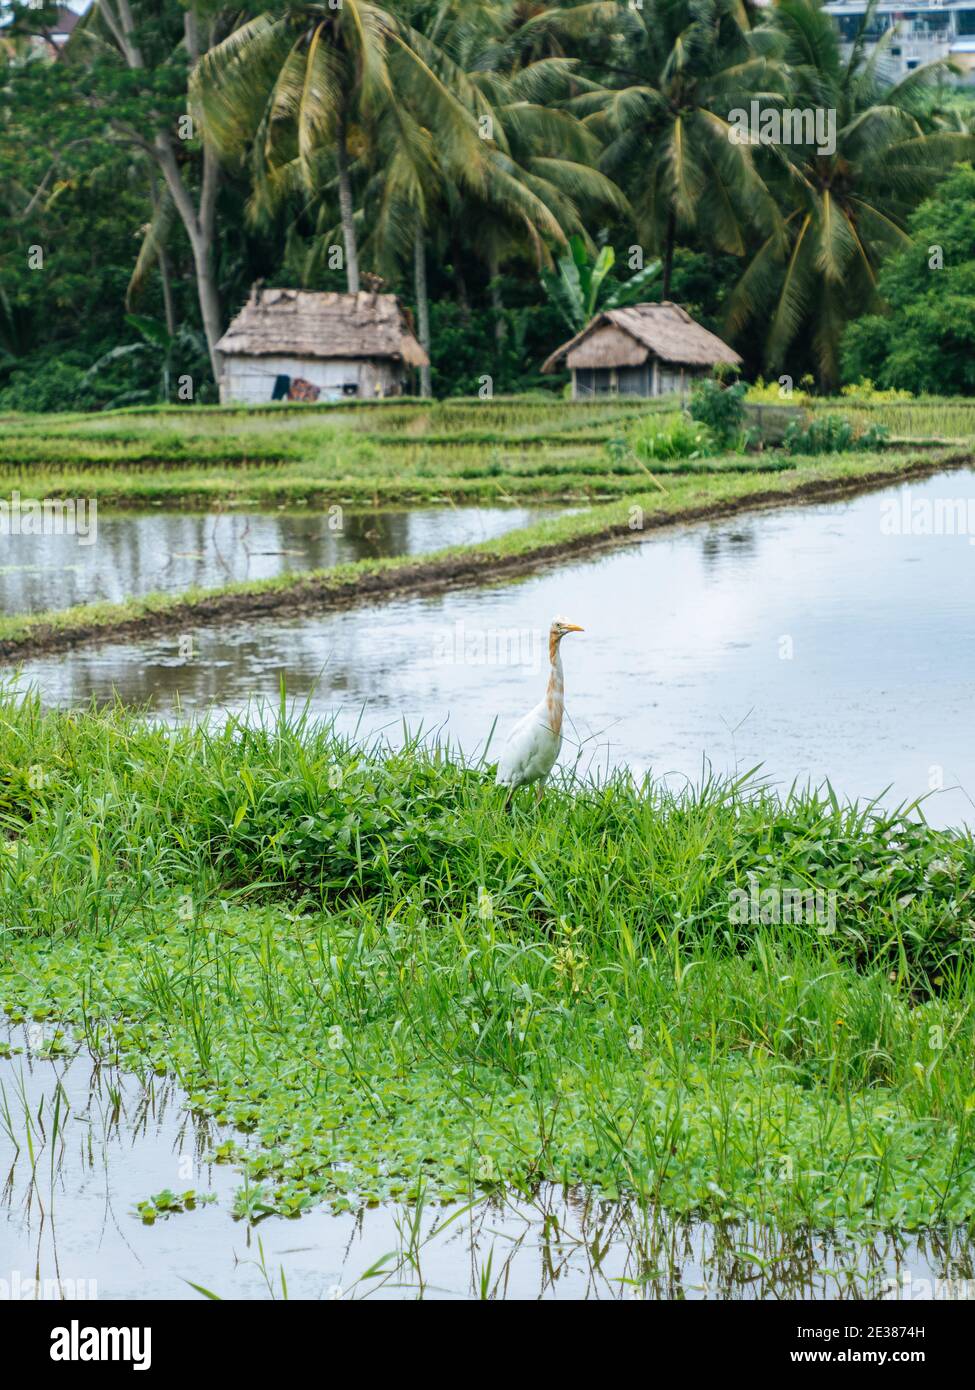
(507, 800)
(540, 787)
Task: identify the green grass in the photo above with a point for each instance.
(401, 453)
(355, 956)
(387, 452)
(927, 417)
(413, 475)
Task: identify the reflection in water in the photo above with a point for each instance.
(739, 540)
(821, 648)
(81, 1144)
(133, 554)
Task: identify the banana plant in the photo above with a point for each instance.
(579, 288)
(159, 345)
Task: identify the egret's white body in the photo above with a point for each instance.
(533, 745)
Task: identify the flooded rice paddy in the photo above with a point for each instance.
(127, 554)
(824, 642)
(827, 642)
(83, 1145)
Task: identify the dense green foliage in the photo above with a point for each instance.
(454, 150)
(721, 409)
(926, 341)
(831, 434)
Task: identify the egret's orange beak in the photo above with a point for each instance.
(573, 627)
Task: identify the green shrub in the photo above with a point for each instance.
(721, 409)
(923, 341)
(52, 385)
(69, 381)
(864, 390)
(831, 435)
(762, 392)
(677, 438)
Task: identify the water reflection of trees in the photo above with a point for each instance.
(721, 543)
(338, 658)
(138, 553)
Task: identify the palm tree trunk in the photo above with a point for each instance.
(671, 236)
(345, 207)
(166, 280)
(209, 297)
(463, 298)
(200, 222)
(422, 301)
(497, 303)
(162, 261)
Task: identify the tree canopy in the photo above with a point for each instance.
(506, 168)
(925, 341)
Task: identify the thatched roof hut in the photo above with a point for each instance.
(643, 350)
(331, 345)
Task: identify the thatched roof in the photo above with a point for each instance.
(627, 337)
(303, 323)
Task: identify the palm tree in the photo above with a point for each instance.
(303, 89)
(537, 181)
(843, 212)
(550, 156)
(665, 120)
(355, 100)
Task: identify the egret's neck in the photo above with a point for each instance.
(555, 695)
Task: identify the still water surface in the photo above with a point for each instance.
(817, 642)
(134, 553)
(102, 1141)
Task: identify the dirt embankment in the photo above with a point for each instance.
(418, 577)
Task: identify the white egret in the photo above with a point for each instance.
(533, 744)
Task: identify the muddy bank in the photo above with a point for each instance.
(328, 591)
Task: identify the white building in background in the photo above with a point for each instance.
(924, 32)
(306, 345)
(46, 39)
